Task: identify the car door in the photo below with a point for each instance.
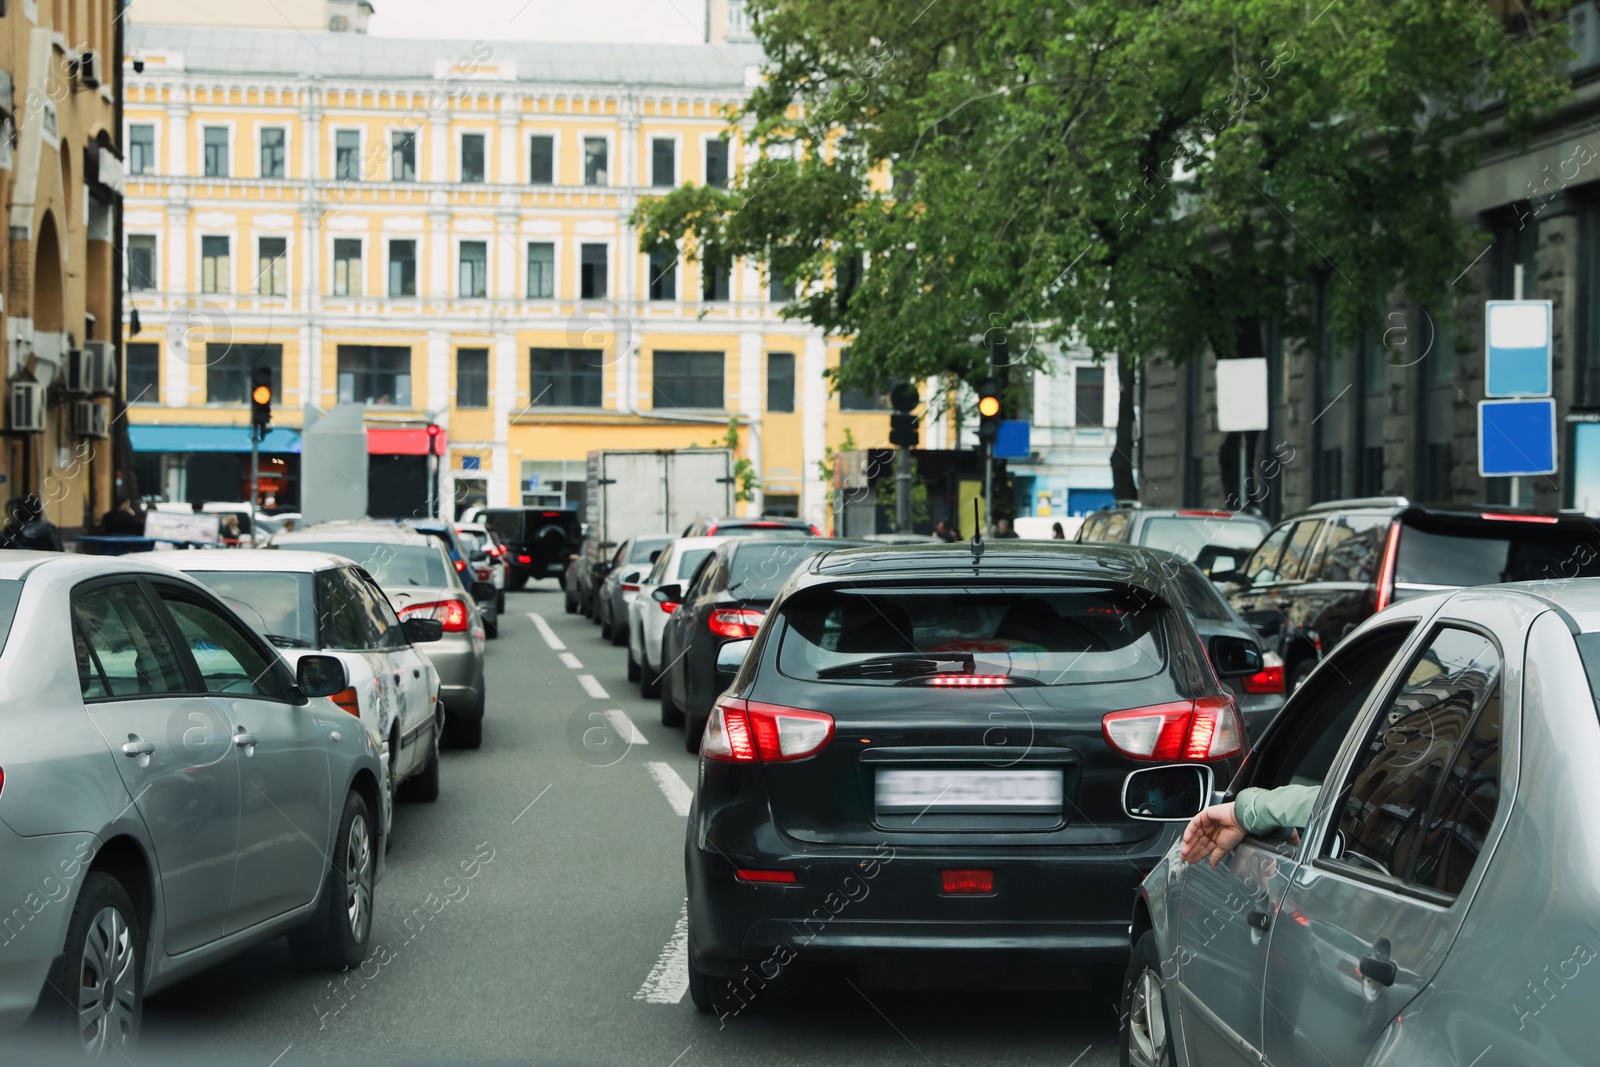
(415, 684)
(285, 808)
(1338, 598)
(172, 748)
(1227, 912)
(1393, 855)
(685, 625)
(1271, 608)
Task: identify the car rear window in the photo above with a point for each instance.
(690, 561)
(10, 594)
(278, 604)
(640, 552)
(1471, 554)
(1187, 535)
(761, 529)
(760, 568)
(1039, 636)
(1201, 597)
(388, 563)
(475, 542)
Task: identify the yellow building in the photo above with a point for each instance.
(60, 194)
(439, 231)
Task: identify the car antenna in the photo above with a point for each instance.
(977, 533)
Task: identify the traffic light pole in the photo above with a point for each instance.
(255, 478)
(902, 491)
(988, 485)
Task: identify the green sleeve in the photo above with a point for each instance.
(1261, 811)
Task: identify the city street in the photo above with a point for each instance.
(535, 914)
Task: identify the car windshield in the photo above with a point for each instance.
(760, 568)
(475, 542)
(279, 604)
(1063, 636)
(644, 546)
(689, 562)
(388, 563)
(1186, 535)
(1442, 557)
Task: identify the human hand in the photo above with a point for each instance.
(1213, 833)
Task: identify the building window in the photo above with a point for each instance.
(717, 163)
(541, 270)
(228, 368)
(542, 160)
(216, 151)
(780, 381)
(780, 281)
(713, 281)
(472, 167)
(403, 156)
(375, 374)
(273, 155)
(663, 276)
(141, 262)
(862, 399)
(687, 380)
(594, 161)
(1089, 397)
(474, 278)
(663, 163)
(402, 268)
(347, 155)
(592, 272)
(272, 276)
(214, 265)
(141, 378)
(141, 149)
(346, 266)
(472, 378)
(566, 377)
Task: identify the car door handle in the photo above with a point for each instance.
(244, 740)
(1260, 918)
(138, 748)
(416, 673)
(1377, 966)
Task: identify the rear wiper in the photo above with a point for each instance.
(285, 641)
(900, 664)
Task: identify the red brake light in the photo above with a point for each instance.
(1206, 513)
(711, 530)
(815, 532)
(744, 731)
(524, 559)
(735, 622)
(1188, 730)
(668, 606)
(969, 881)
(551, 514)
(451, 614)
(778, 877)
(1386, 572)
(1545, 519)
(970, 681)
(461, 565)
(627, 588)
(1269, 679)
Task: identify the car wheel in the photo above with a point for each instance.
(500, 604)
(98, 981)
(491, 628)
(633, 667)
(649, 681)
(516, 582)
(671, 714)
(619, 633)
(569, 603)
(1299, 672)
(336, 936)
(391, 789)
(1146, 1034)
(423, 787)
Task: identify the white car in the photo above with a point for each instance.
(647, 616)
(305, 602)
(492, 568)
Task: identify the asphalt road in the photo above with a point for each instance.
(534, 914)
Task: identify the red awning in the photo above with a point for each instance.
(402, 442)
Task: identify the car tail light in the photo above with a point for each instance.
(347, 699)
(451, 614)
(1391, 551)
(1269, 679)
(744, 731)
(1190, 730)
(1501, 517)
(668, 606)
(815, 532)
(969, 681)
(773, 877)
(969, 881)
(524, 559)
(630, 588)
(711, 529)
(1206, 513)
(735, 622)
(484, 574)
(461, 565)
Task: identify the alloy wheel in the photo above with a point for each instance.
(1147, 1022)
(358, 878)
(107, 983)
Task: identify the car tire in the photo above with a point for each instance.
(605, 626)
(649, 680)
(340, 929)
(516, 582)
(423, 787)
(491, 628)
(1298, 672)
(105, 931)
(693, 730)
(569, 603)
(671, 714)
(633, 667)
(711, 995)
(499, 604)
(619, 633)
(1146, 1037)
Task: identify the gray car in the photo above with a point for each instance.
(1439, 906)
(171, 793)
(629, 564)
(417, 577)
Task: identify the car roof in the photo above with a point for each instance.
(356, 532)
(1127, 564)
(71, 566)
(253, 560)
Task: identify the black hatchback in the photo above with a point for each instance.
(922, 757)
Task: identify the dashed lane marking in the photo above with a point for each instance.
(569, 660)
(592, 687)
(545, 632)
(624, 727)
(668, 980)
(672, 787)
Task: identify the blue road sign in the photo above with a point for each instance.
(1013, 439)
(1516, 437)
(1518, 345)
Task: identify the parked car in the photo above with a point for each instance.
(420, 582)
(632, 561)
(1321, 573)
(648, 616)
(569, 586)
(750, 527)
(479, 539)
(725, 601)
(174, 787)
(1260, 696)
(946, 750)
(462, 557)
(903, 539)
(539, 541)
(1437, 905)
(1215, 540)
(308, 603)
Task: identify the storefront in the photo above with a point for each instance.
(203, 463)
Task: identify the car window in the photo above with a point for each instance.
(1352, 547)
(660, 567)
(279, 604)
(1115, 526)
(379, 611)
(640, 552)
(1297, 553)
(229, 662)
(130, 647)
(389, 563)
(90, 681)
(1201, 597)
(690, 561)
(1462, 554)
(1263, 566)
(1422, 793)
(1090, 530)
(759, 569)
(1187, 535)
(347, 619)
(10, 594)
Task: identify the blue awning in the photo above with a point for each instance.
(208, 439)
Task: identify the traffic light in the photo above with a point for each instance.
(903, 424)
(988, 409)
(261, 398)
(434, 430)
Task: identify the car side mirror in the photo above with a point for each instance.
(1235, 657)
(1174, 793)
(422, 631)
(731, 655)
(482, 591)
(321, 676)
(667, 594)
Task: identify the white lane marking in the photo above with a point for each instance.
(668, 980)
(569, 660)
(592, 687)
(624, 727)
(674, 788)
(545, 632)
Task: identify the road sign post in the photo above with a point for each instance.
(1517, 423)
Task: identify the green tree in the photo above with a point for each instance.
(1154, 178)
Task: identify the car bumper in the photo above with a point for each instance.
(44, 876)
(458, 659)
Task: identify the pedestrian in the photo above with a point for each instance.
(28, 528)
(944, 533)
(290, 526)
(1003, 530)
(1057, 533)
(122, 520)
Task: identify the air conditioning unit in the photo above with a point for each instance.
(101, 367)
(89, 63)
(88, 419)
(26, 407)
(77, 371)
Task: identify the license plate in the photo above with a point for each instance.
(905, 791)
